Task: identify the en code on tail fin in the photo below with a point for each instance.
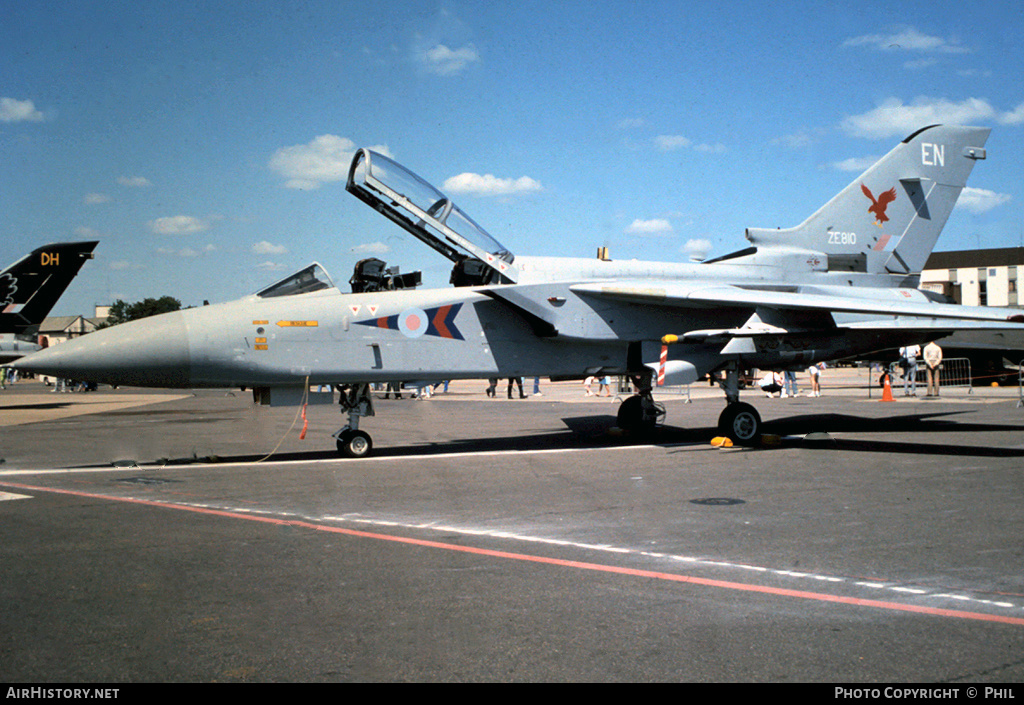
(888, 220)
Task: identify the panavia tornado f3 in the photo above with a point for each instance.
(841, 284)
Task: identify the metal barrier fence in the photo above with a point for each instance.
(624, 387)
(1020, 384)
(954, 373)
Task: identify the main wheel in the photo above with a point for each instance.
(741, 424)
(639, 414)
(354, 444)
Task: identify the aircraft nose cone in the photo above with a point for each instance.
(153, 352)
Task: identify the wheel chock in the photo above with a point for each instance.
(721, 442)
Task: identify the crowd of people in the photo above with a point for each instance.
(9, 376)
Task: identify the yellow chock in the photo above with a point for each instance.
(721, 442)
(769, 439)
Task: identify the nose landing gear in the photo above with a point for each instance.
(354, 443)
(356, 401)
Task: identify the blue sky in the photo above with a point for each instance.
(205, 144)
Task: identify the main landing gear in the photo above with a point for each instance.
(356, 401)
(739, 422)
(640, 413)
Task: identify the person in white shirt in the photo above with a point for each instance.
(933, 360)
(814, 371)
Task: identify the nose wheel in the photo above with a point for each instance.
(356, 401)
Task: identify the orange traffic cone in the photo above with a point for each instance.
(887, 392)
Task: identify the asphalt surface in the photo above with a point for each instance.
(147, 538)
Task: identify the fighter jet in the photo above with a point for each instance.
(842, 283)
(30, 287)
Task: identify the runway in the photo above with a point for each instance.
(516, 540)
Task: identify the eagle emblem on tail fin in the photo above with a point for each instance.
(878, 206)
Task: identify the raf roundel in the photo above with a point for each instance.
(413, 322)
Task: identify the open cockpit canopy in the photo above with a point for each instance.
(424, 211)
(311, 278)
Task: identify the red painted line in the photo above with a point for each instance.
(580, 565)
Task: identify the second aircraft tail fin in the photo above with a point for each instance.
(31, 286)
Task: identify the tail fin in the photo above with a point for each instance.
(31, 286)
(888, 220)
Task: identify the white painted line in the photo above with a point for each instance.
(4, 496)
(345, 461)
(437, 526)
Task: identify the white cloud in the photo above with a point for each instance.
(268, 248)
(124, 265)
(894, 118)
(716, 148)
(907, 40)
(697, 249)
(324, 159)
(795, 140)
(1013, 117)
(920, 64)
(269, 266)
(177, 225)
(667, 143)
(857, 164)
(134, 181)
(12, 110)
(630, 123)
(444, 61)
(371, 248)
(657, 226)
(489, 185)
(186, 251)
(93, 199)
(979, 200)
(670, 143)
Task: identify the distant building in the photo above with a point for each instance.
(59, 329)
(976, 277)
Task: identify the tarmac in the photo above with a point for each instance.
(187, 536)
